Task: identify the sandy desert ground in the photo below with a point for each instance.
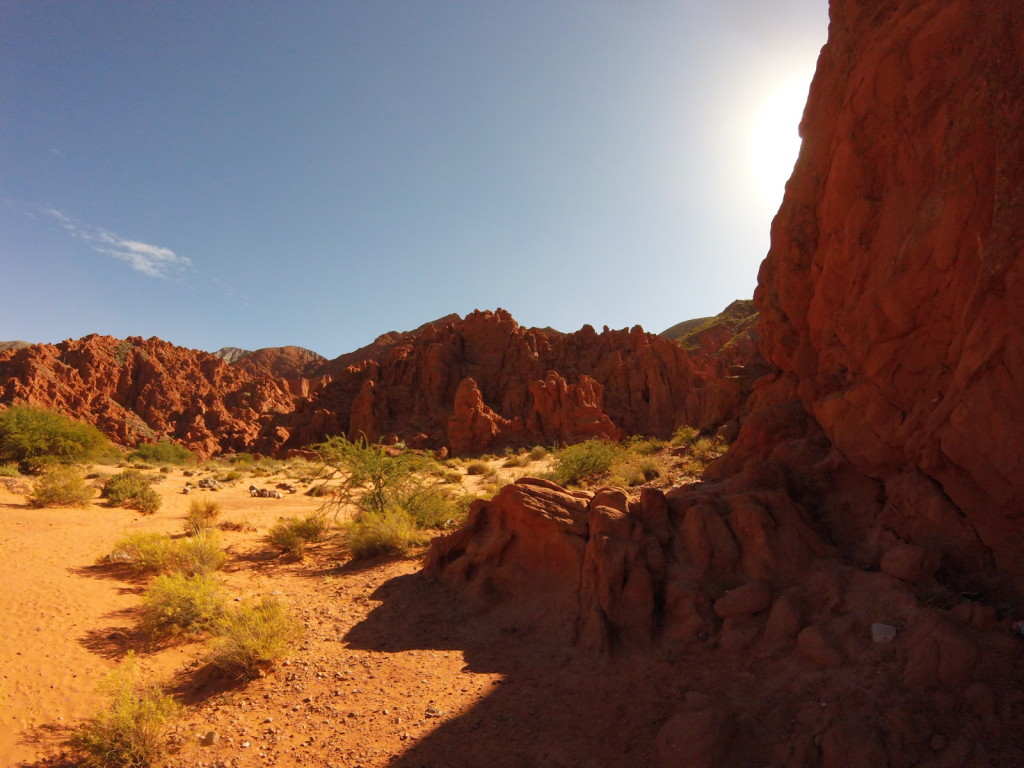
(393, 671)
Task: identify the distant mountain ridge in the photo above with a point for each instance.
(470, 384)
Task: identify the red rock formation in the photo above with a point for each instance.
(879, 468)
(282, 363)
(137, 390)
(534, 386)
(529, 386)
(894, 288)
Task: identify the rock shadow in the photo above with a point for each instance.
(555, 706)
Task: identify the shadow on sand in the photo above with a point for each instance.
(555, 707)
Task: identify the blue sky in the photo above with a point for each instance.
(317, 173)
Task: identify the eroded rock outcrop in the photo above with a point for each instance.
(534, 386)
(469, 386)
(138, 390)
(894, 287)
(859, 546)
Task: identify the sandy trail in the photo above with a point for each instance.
(359, 682)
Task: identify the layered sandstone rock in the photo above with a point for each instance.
(470, 386)
(281, 363)
(534, 386)
(894, 288)
(139, 390)
(859, 546)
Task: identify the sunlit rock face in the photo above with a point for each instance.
(893, 294)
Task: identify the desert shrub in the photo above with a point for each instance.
(157, 552)
(132, 731)
(515, 461)
(707, 448)
(538, 452)
(131, 489)
(60, 486)
(234, 474)
(584, 461)
(144, 552)
(477, 468)
(201, 553)
(684, 435)
(292, 534)
(242, 458)
(391, 532)
(368, 476)
(29, 436)
(644, 446)
(318, 490)
(253, 637)
(179, 605)
(201, 514)
(631, 470)
(163, 452)
(9, 470)
(434, 508)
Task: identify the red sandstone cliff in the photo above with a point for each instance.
(531, 386)
(473, 385)
(281, 363)
(137, 390)
(860, 544)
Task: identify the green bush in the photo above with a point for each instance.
(584, 461)
(477, 468)
(9, 470)
(292, 534)
(131, 489)
(632, 470)
(201, 553)
(202, 513)
(178, 605)
(252, 638)
(538, 452)
(144, 552)
(684, 435)
(60, 486)
(132, 731)
(644, 446)
(30, 435)
(432, 508)
(391, 532)
(367, 475)
(157, 552)
(164, 452)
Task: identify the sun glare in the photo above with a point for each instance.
(773, 142)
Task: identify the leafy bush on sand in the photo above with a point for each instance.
(133, 490)
(61, 486)
(132, 731)
(252, 638)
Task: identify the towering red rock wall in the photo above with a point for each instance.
(894, 289)
(860, 545)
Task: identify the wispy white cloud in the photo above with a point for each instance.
(151, 260)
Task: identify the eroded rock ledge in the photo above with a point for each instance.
(737, 573)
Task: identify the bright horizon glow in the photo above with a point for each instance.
(317, 174)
